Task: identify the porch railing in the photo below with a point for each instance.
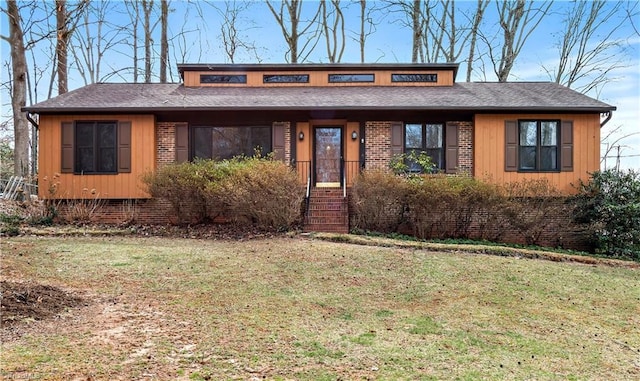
(350, 170)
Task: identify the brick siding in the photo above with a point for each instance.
(377, 145)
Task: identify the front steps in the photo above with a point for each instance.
(327, 212)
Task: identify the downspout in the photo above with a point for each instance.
(607, 119)
(34, 149)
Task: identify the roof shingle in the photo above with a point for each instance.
(477, 96)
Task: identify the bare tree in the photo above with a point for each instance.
(133, 8)
(147, 8)
(294, 29)
(231, 29)
(367, 25)
(164, 43)
(475, 26)
(66, 22)
(588, 52)
(94, 38)
(517, 20)
(18, 89)
(333, 30)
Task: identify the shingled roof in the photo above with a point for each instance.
(472, 96)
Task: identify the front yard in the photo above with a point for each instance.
(297, 308)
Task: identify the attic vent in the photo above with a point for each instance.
(414, 77)
(216, 78)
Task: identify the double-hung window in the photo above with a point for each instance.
(96, 147)
(428, 138)
(538, 145)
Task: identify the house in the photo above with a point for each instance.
(330, 121)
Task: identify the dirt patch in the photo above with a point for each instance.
(23, 301)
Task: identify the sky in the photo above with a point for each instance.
(390, 42)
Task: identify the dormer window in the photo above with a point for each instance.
(217, 78)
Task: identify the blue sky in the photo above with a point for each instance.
(391, 42)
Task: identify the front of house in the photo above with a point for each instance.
(330, 121)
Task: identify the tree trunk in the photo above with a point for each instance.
(164, 45)
(19, 91)
(147, 6)
(417, 22)
(61, 45)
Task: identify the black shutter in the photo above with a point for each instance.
(511, 146)
(277, 139)
(182, 142)
(451, 147)
(67, 147)
(124, 147)
(566, 146)
(397, 138)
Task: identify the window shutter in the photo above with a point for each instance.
(511, 146)
(397, 138)
(566, 145)
(278, 140)
(182, 142)
(451, 147)
(67, 148)
(124, 147)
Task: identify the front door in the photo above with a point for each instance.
(328, 156)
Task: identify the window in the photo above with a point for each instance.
(227, 142)
(216, 78)
(95, 147)
(285, 78)
(425, 137)
(342, 78)
(538, 145)
(414, 78)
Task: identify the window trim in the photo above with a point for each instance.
(332, 78)
(538, 147)
(96, 147)
(397, 78)
(292, 78)
(423, 145)
(192, 140)
(217, 79)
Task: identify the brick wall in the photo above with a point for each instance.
(377, 145)
(465, 147)
(165, 143)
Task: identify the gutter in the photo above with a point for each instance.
(607, 119)
(32, 121)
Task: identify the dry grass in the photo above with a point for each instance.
(294, 308)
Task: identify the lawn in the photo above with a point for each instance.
(294, 308)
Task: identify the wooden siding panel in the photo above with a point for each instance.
(490, 143)
(321, 78)
(119, 186)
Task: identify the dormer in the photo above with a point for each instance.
(317, 75)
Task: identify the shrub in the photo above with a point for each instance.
(263, 191)
(610, 204)
(378, 200)
(258, 190)
(530, 207)
(184, 187)
(446, 207)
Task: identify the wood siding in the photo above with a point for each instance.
(490, 147)
(107, 186)
(320, 78)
